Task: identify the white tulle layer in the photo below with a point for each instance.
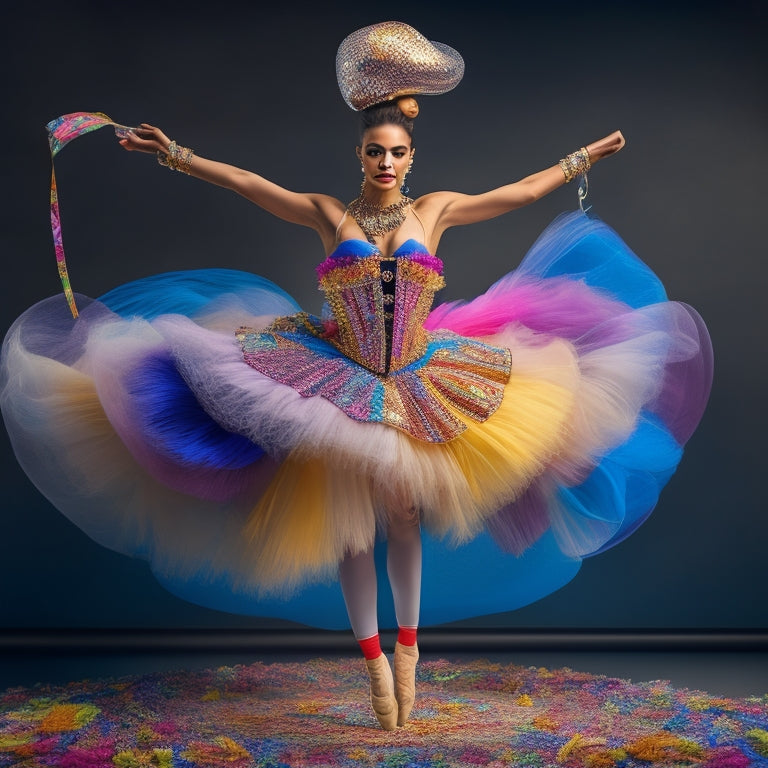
(153, 435)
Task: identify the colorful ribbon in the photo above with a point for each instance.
(60, 132)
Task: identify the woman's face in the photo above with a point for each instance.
(385, 155)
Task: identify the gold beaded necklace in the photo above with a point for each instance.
(376, 221)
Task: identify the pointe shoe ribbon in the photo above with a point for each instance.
(382, 692)
(406, 657)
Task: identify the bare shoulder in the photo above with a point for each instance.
(434, 200)
(328, 209)
(326, 203)
(435, 210)
(431, 209)
(328, 212)
(434, 204)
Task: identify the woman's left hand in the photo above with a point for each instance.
(606, 147)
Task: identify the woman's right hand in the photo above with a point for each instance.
(145, 138)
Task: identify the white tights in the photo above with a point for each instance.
(357, 575)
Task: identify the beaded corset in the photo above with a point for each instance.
(371, 356)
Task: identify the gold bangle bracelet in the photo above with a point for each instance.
(575, 164)
(177, 159)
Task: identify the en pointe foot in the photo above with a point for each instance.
(383, 698)
(406, 657)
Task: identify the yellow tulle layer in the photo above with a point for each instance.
(320, 506)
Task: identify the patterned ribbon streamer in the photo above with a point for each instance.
(60, 132)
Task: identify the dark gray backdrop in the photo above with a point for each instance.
(686, 85)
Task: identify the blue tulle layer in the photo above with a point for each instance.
(196, 292)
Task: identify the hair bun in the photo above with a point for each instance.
(408, 106)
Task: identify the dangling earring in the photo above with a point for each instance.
(404, 188)
(362, 170)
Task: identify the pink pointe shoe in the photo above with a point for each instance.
(406, 657)
(382, 692)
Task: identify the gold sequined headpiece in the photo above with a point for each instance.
(391, 59)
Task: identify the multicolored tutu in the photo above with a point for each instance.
(202, 421)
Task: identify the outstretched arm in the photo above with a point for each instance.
(318, 212)
(452, 209)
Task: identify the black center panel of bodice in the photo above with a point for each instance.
(388, 281)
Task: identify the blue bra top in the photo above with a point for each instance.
(362, 248)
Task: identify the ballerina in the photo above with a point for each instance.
(276, 446)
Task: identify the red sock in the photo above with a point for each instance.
(371, 647)
(406, 635)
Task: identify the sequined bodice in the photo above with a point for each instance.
(377, 305)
